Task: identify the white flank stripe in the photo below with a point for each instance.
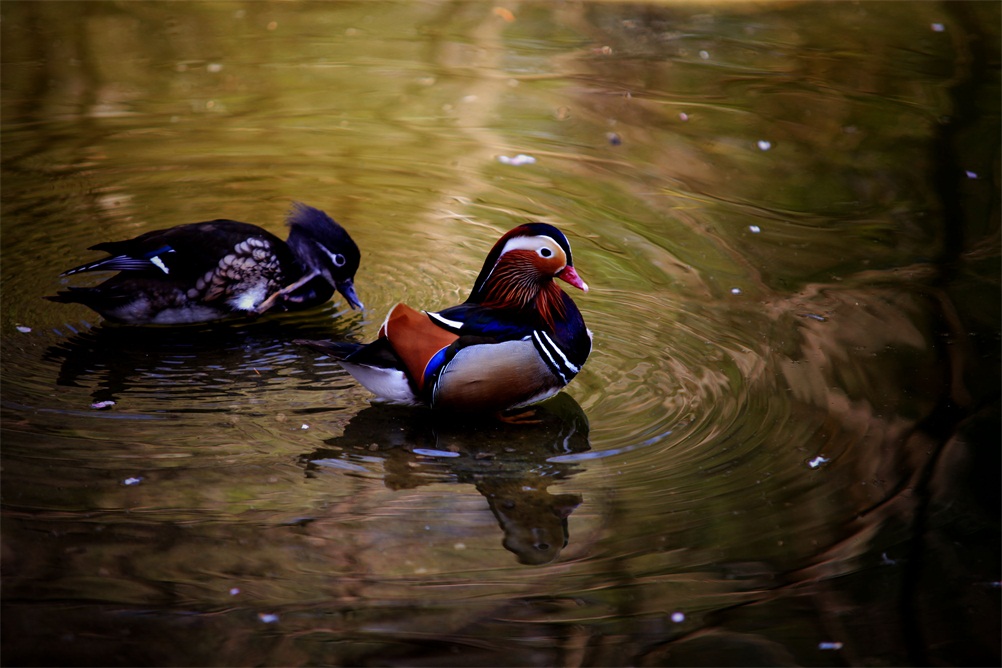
(567, 362)
(553, 362)
(455, 324)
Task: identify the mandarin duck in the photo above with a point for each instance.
(221, 268)
(517, 340)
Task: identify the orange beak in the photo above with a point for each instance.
(568, 274)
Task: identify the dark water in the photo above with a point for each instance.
(784, 449)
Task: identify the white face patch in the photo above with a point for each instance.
(536, 244)
(539, 243)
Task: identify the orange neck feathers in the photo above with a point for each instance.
(517, 284)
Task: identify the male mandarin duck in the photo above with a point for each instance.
(517, 339)
(221, 268)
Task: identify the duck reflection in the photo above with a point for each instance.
(117, 360)
(507, 462)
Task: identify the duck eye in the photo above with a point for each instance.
(545, 252)
(338, 259)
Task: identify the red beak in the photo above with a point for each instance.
(568, 274)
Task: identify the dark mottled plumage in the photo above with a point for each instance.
(517, 339)
(217, 269)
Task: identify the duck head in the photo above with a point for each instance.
(324, 247)
(521, 267)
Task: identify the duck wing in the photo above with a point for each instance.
(489, 324)
(185, 252)
(418, 340)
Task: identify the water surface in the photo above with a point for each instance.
(782, 451)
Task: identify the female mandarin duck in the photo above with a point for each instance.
(212, 270)
(517, 339)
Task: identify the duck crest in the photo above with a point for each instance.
(516, 279)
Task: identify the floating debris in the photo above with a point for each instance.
(427, 452)
(518, 160)
(614, 139)
(938, 27)
(234, 591)
(102, 405)
(754, 229)
(818, 461)
(735, 291)
(267, 617)
(678, 617)
(129, 482)
(305, 426)
(764, 145)
(23, 329)
(829, 645)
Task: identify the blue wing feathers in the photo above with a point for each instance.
(482, 321)
(124, 263)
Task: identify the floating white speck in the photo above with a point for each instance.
(683, 116)
(735, 291)
(268, 617)
(678, 617)
(305, 427)
(829, 645)
(764, 145)
(25, 330)
(970, 175)
(518, 160)
(818, 461)
(428, 452)
(705, 55)
(129, 482)
(938, 27)
(101, 405)
(459, 546)
(754, 229)
(234, 591)
(214, 67)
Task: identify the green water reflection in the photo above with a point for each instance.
(783, 450)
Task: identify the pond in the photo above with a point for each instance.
(783, 450)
